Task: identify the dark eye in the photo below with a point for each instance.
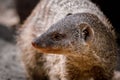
(69, 14)
(57, 36)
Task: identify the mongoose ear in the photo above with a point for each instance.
(87, 32)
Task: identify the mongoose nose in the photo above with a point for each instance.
(38, 44)
(35, 44)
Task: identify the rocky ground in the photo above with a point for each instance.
(11, 67)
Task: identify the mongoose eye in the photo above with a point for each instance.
(69, 14)
(57, 36)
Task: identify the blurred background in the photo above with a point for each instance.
(13, 14)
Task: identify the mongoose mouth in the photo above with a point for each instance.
(46, 50)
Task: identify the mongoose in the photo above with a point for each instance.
(68, 40)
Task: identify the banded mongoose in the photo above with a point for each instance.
(68, 40)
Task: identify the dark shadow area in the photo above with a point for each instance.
(7, 33)
(118, 61)
(24, 8)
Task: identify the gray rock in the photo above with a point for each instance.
(11, 67)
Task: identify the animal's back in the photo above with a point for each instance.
(46, 13)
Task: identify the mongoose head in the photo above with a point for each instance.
(76, 33)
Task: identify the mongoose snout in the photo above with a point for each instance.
(38, 43)
(43, 45)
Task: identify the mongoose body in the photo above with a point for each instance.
(68, 40)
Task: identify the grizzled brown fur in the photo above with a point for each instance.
(68, 40)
